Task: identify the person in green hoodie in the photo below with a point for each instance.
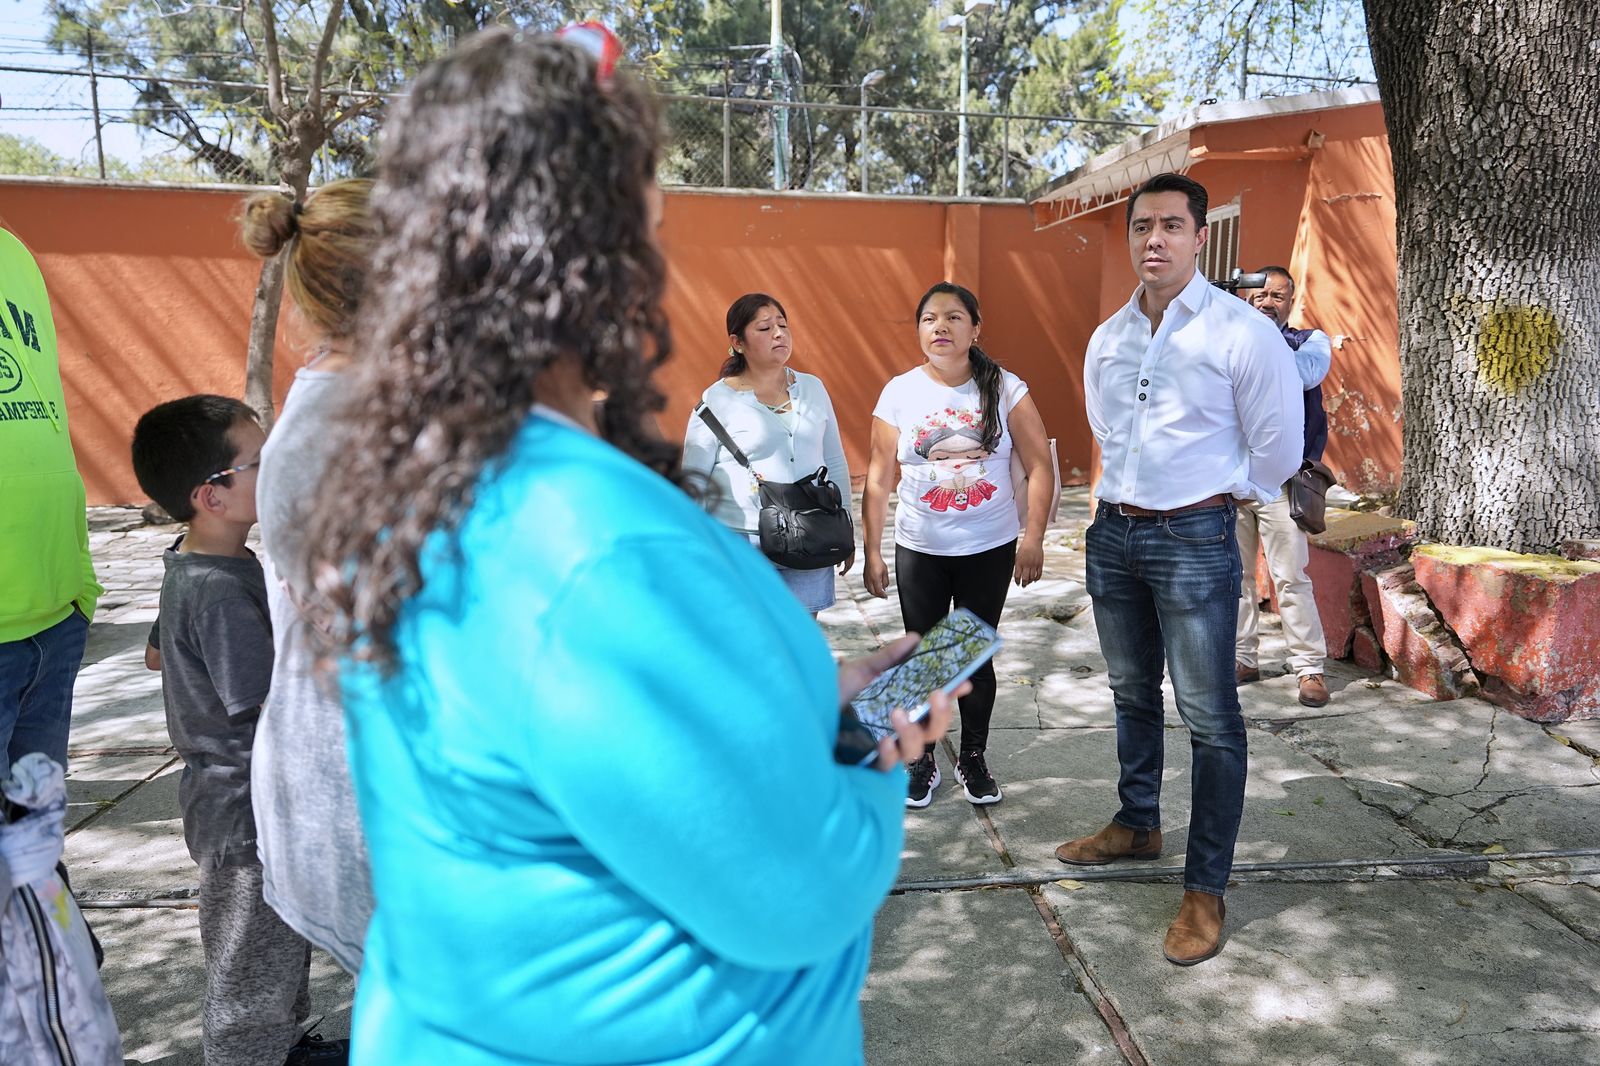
(47, 585)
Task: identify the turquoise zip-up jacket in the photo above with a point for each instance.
(45, 569)
(605, 821)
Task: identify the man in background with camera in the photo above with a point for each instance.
(1270, 525)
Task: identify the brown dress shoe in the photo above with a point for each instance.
(1243, 675)
(1196, 933)
(1110, 844)
(1313, 691)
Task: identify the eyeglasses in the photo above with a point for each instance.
(232, 470)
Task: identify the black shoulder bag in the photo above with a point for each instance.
(805, 524)
(1308, 496)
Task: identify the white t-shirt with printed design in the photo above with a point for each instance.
(955, 498)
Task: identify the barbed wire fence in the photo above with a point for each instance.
(714, 141)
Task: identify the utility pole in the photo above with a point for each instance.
(780, 92)
(872, 78)
(951, 24)
(1244, 65)
(94, 104)
(961, 137)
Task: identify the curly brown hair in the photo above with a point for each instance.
(514, 228)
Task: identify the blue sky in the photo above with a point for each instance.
(53, 109)
(68, 133)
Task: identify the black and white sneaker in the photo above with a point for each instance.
(976, 780)
(313, 1050)
(924, 779)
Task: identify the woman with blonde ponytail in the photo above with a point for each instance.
(312, 849)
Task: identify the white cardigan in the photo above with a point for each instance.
(777, 454)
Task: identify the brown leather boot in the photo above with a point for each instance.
(1244, 675)
(1110, 844)
(1196, 933)
(1313, 691)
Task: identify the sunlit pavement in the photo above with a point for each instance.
(994, 951)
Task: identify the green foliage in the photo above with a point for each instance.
(25, 157)
(1043, 58)
(1198, 46)
(1058, 58)
(234, 133)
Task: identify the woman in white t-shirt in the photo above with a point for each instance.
(782, 420)
(949, 426)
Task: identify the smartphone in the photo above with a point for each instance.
(948, 654)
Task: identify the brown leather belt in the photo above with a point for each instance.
(1128, 510)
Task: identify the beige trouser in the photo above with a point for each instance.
(1287, 556)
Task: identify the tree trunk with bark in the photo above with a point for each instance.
(263, 339)
(1494, 118)
(305, 129)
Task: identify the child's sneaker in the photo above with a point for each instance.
(312, 1050)
(976, 780)
(924, 779)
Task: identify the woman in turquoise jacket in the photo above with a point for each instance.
(601, 831)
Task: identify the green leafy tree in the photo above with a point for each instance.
(25, 157)
(277, 91)
(1060, 57)
(1205, 48)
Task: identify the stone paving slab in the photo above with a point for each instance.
(1063, 784)
(1577, 906)
(1316, 975)
(974, 977)
(136, 846)
(153, 975)
(99, 781)
(1462, 774)
(1585, 734)
(1360, 971)
(117, 704)
(945, 838)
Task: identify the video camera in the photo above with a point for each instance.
(1241, 280)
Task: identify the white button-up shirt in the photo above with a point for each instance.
(1209, 403)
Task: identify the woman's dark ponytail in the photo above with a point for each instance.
(985, 371)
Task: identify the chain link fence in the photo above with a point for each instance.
(78, 122)
(99, 120)
(723, 142)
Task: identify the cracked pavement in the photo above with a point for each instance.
(1432, 965)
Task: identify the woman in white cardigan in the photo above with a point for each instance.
(781, 419)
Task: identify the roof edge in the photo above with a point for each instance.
(1156, 142)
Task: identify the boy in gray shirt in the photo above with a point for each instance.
(196, 457)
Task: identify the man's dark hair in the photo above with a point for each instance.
(1282, 272)
(1198, 200)
(180, 443)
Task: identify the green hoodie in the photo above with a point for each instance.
(45, 567)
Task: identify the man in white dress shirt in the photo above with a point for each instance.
(1193, 398)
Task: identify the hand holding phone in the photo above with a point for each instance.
(947, 655)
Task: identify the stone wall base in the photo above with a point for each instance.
(1521, 630)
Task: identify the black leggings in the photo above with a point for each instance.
(928, 583)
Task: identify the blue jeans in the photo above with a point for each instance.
(36, 677)
(1165, 591)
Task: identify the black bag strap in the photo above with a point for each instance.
(715, 425)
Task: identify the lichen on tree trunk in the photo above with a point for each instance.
(1493, 116)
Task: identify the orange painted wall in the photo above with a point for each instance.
(151, 293)
(1347, 256)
